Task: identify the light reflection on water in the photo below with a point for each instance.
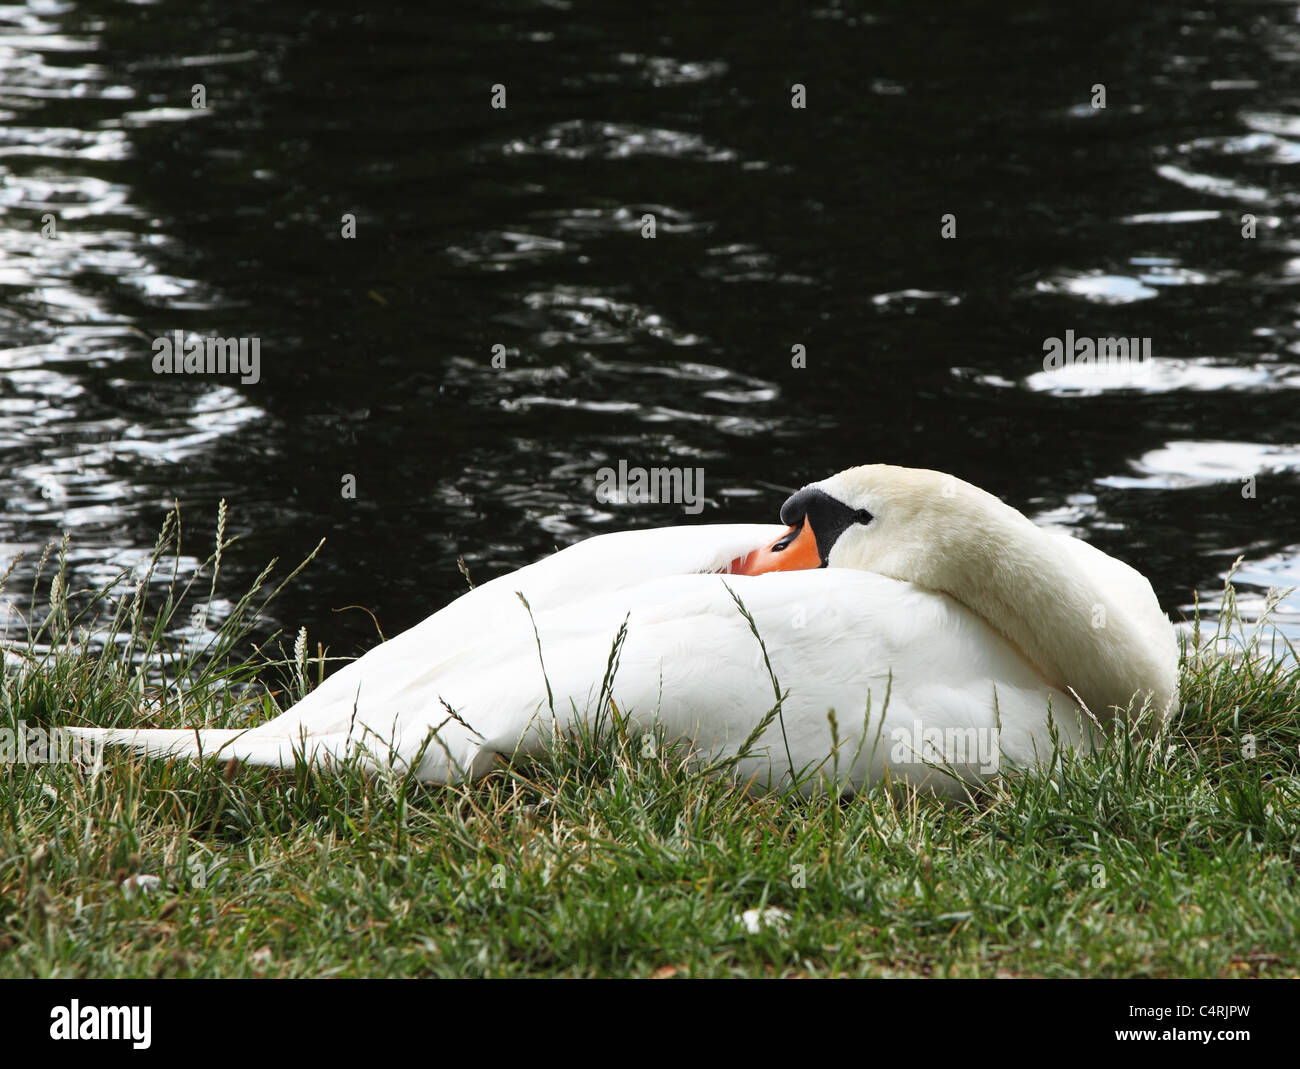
(82, 444)
(526, 230)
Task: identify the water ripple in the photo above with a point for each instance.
(76, 446)
(582, 139)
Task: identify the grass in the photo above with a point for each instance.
(611, 855)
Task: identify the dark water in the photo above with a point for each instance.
(521, 227)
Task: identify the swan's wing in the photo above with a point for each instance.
(393, 689)
(610, 564)
(840, 642)
(914, 681)
(618, 561)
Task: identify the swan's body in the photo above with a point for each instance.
(968, 627)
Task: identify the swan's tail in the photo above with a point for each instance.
(251, 747)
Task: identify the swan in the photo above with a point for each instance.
(918, 627)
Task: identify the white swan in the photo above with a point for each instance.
(892, 591)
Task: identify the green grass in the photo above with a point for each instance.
(610, 857)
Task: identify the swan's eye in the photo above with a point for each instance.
(863, 517)
(777, 547)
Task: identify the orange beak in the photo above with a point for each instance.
(793, 551)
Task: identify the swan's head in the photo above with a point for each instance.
(900, 522)
(1083, 619)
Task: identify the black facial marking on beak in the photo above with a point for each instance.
(829, 518)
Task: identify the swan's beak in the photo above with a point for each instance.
(793, 551)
